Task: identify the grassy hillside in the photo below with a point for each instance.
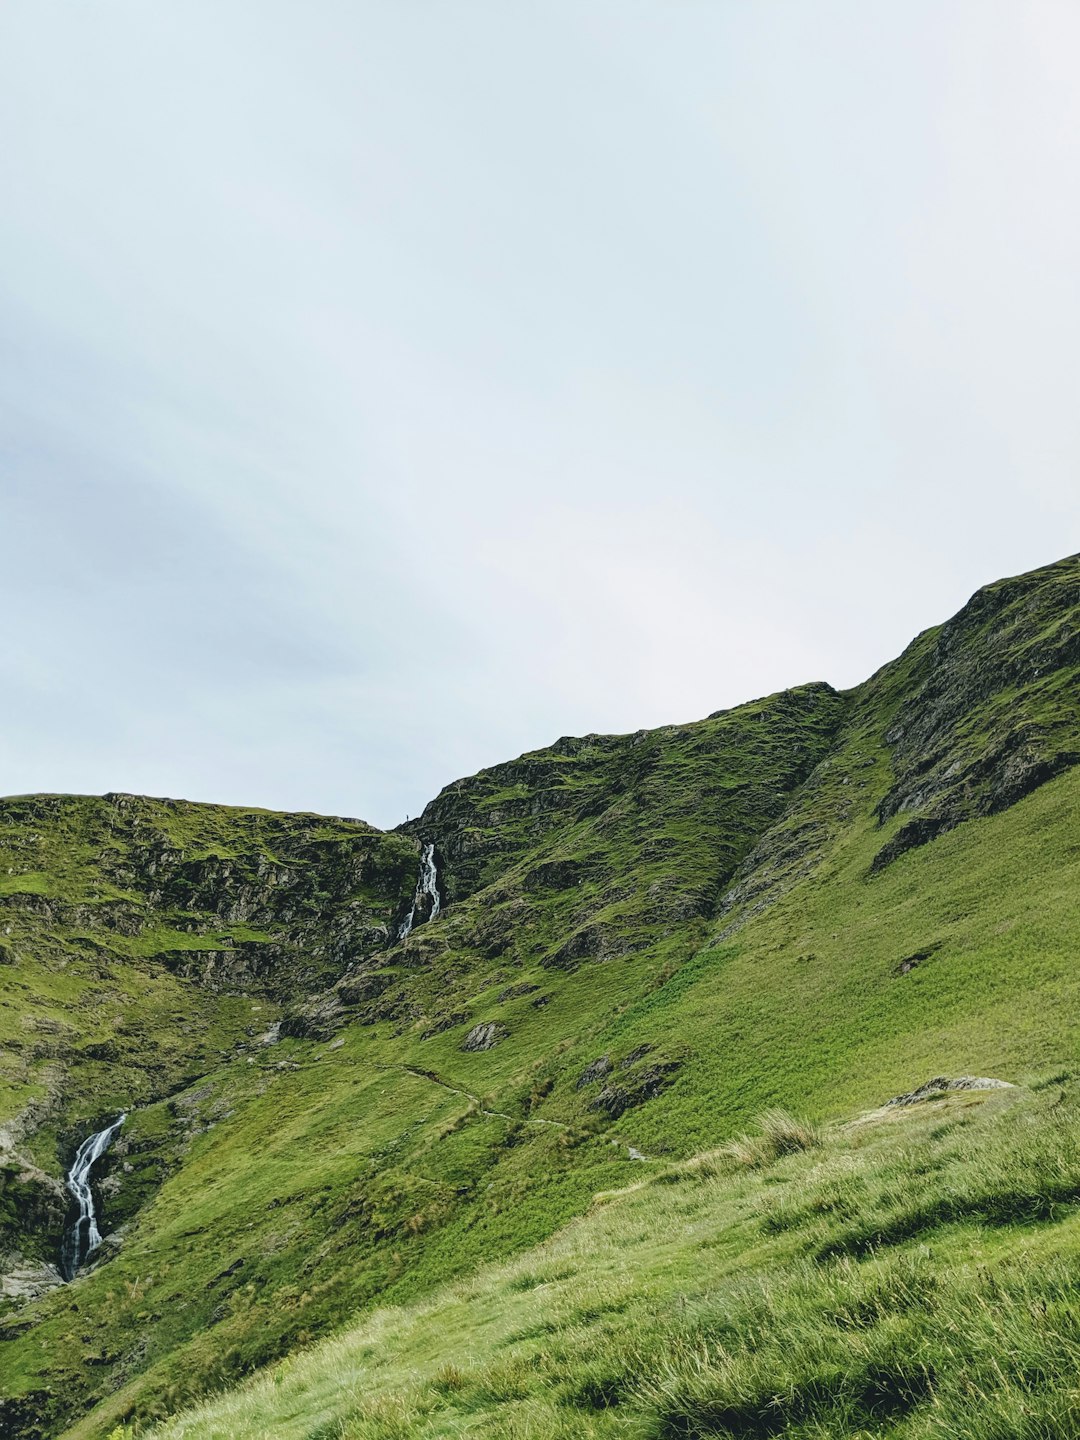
(911, 1274)
(815, 901)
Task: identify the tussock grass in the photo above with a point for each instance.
(779, 1134)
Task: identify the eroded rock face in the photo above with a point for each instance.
(319, 1018)
(355, 998)
(594, 942)
(285, 902)
(972, 717)
(558, 874)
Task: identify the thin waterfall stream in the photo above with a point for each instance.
(426, 902)
(83, 1236)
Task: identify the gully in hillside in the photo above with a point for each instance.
(426, 902)
(83, 1235)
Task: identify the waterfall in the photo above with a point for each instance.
(427, 893)
(83, 1236)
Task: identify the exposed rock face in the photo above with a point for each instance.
(22, 1280)
(318, 1018)
(485, 1035)
(646, 1084)
(354, 998)
(321, 892)
(594, 1071)
(33, 1206)
(558, 874)
(974, 716)
(1002, 658)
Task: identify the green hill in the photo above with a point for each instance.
(815, 901)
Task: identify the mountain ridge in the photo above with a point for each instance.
(644, 940)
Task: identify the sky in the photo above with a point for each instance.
(390, 388)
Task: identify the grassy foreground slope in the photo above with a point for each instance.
(815, 900)
(912, 1274)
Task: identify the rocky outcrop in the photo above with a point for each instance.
(941, 1085)
(357, 998)
(992, 715)
(485, 1035)
(33, 1206)
(23, 1280)
(641, 1085)
(285, 902)
(594, 942)
(595, 1070)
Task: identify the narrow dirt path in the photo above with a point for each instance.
(437, 1079)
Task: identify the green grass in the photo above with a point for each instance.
(696, 908)
(341, 1183)
(707, 1299)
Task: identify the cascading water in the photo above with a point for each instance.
(426, 903)
(83, 1235)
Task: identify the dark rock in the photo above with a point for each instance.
(634, 1056)
(442, 1023)
(1001, 656)
(499, 926)
(362, 986)
(317, 1019)
(556, 875)
(515, 992)
(592, 942)
(596, 1070)
(615, 1100)
(910, 837)
(28, 1416)
(484, 1035)
(909, 962)
(33, 1206)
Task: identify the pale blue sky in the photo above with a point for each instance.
(386, 389)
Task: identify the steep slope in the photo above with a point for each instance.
(910, 1274)
(644, 940)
